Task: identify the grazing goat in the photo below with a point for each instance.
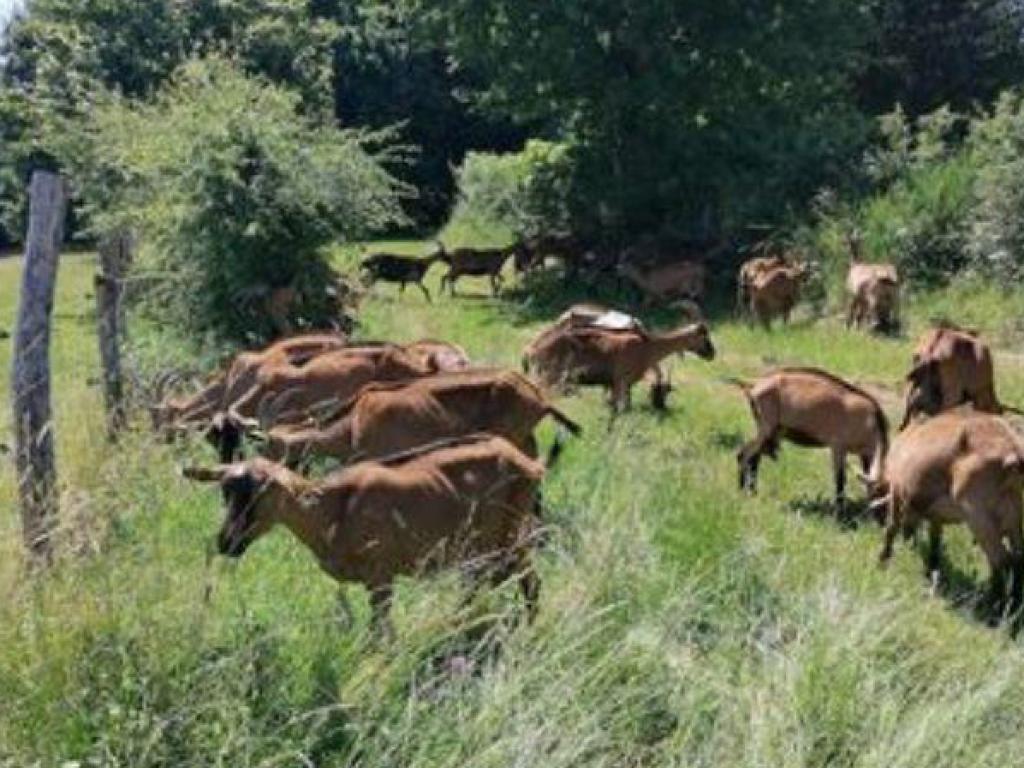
(750, 271)
(386, 418)
(775, 292)
(467, 503)
(812, 408)
(615, 360)
(960, 467)
(581, 316)
(401, 269)
(874, 291)
(473, 262)
(682, 280)
(239, 377)
(286, 393)
(951, 367)
(877, 302)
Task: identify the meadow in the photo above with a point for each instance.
(681, 622)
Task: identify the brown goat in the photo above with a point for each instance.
(749, 272)
(582, 316)
(775, 292)
(473, 262)
(386, 418)
(615, 360)
(874, 290)
(951, 367)
(239, 377)
(467, 503)
(960, 467)
(813, 408)
(664, 283)
(877, 301)
(285, 393)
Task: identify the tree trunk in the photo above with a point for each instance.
(33, 427)
(115, 255)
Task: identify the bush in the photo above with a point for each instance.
(235, 195)
(523, 192)
(919, 216)
(997, 231)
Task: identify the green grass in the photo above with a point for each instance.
(681, 623)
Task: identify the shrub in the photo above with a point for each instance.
(997, 231)
(919, 216)
(235, 194)
(523, 192)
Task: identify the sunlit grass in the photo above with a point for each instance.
(681, 623)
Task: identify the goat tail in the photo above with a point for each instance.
(564, 421)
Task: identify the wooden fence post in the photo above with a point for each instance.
(115, 254)
(33, 425)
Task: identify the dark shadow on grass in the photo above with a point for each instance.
(727, 440)
(459, 658)
(852, 517)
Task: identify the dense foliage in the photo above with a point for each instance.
(362, 62)
(388, 72)
(677, 120)
(924, 54)
(947, 196)
(235, 194)
(705, 112)
(524, 192)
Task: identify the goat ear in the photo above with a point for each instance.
(205, 474)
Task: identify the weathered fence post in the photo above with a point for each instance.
(115, 255)
(33, 425)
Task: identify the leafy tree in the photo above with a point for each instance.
(236, 194)
(524, 192)
(59, 55)
(705, 111)
(927, 53)
(387, 71)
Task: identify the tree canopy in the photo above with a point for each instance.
(679, 118)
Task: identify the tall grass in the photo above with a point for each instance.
(681, 623)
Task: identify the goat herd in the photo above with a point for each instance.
(439, 463)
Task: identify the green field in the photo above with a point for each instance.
(681, 623)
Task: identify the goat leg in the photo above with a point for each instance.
(839, 473)
(934, 561)
(426, 293)
(889, 538)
